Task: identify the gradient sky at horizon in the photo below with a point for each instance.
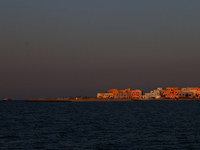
(62, 48)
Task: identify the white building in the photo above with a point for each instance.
(153, 94)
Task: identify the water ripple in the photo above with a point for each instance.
(102, 125)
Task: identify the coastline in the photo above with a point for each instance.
(104, 100)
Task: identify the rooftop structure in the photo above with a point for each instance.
(124, 91)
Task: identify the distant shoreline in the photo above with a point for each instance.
(103, 100)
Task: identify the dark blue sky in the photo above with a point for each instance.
(69, 48)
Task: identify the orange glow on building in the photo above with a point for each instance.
(171, 92)
(124, 91)
(114, 91)
(135, 94)
(197, 88)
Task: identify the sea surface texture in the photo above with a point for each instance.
(100, 125)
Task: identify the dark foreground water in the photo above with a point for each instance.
(100, 125)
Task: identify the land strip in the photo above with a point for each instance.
(102, 100)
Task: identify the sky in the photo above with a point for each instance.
(51, 49)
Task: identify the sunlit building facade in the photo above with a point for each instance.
(104, 95)
(114, 91)
(154, 94)
(137, 94)
(171, 92)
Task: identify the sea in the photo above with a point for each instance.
(146, 125)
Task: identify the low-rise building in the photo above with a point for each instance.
(183, 89)
(154, 94)
(197, 88)
(135, 94)
(192, 89)
(171, 92)
(114, 91)
(186, 95)
(198, 94)
(104, 95)
(161, 90)
(122, 95)
(147, 96)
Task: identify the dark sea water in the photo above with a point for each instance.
(100, 125)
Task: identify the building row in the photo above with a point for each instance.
(170, 92)
(127, 93)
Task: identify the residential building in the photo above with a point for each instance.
(114, 91)
(135, 94)
(104, 95)
(186, 95)
(122, 95)
(191, 89)
(171, 92)
(154, 94)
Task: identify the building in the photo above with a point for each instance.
(122, 95)
(186, 95)
(195, 90)
(104, 95)
(114, 91)
(137, 94)
(161, 90)
(183, 89)
(147, 96)
(154, 94)
(198, 94)
(190, 88)
(171, 92)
